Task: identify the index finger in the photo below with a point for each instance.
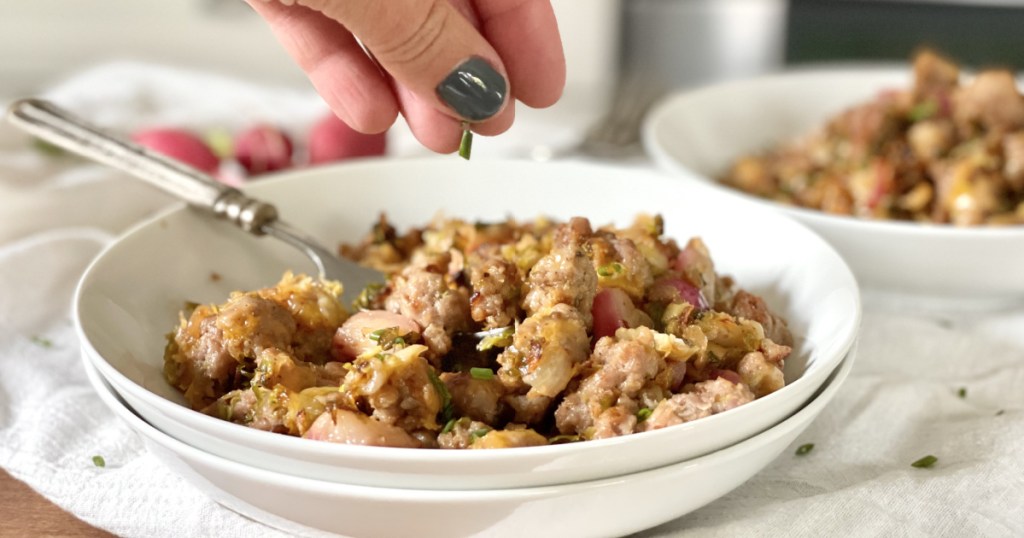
(525, 35)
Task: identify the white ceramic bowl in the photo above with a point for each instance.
(608, 507)
(129, 298)
(698, 134)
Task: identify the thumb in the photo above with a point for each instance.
(430, 48)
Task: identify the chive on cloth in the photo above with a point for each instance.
(923, 385)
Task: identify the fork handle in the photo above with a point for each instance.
(49, 122)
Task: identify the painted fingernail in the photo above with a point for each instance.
(474, 90)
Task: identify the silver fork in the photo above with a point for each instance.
(57, 126)
(617, 134)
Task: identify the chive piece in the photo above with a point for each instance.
(42, 341)
(501, 337)
(563, 439)
(611, 269)
(476, 434)
(448, 426)
(481, 373)
(442, 392)
(643, 414)
(923, 110)
(803, 450)
(925, 463)
(99, 461)
(962, 392)
(375, 335)
(466, 146)
(1000, 412)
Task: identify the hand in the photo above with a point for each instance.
(443, 61)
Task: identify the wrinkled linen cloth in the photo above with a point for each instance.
(923, 384)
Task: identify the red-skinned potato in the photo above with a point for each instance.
(331, 140)
(263, 148)
(181, 145)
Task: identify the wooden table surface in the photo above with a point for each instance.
(26, 513)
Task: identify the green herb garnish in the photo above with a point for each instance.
(501, 337)
(1000, 412)
(476, 434)
(466, 145)
(612, 269)
(449, 425)
(925, 462)
(923, 110)
(481, 373)
(804, 449)
(99, 461)
(42, 341)
(643, 414)
(367, 297)
(562, 439)
(388, 338)
(442, 392)
(962, 392)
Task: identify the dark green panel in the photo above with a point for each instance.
(829, 30)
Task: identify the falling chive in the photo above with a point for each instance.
(925, 462)
(99, 461)
(481, 373)
(42, 341)
(1000, 412)
(643, 414)
(466, 146)
(803, 450)
(962, 392)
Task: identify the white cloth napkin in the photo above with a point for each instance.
(902, 401)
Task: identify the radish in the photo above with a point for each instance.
(180, 145)
(331, 140)
(263, 148)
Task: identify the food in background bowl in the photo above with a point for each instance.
(937, 152)
(587, 334)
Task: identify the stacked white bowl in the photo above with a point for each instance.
(129, 299)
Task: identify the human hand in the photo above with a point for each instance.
(443, 61)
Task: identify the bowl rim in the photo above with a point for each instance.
(405, 455)
(804, 415)
(664, 110)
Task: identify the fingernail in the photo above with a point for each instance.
(474, 90)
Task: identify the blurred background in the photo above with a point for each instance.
(664, 43)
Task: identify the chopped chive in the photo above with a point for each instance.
(466, 146)
(611, 269)
(923, 110)
(99, 461)
(375, 335)
(442, 392)
(42, 341)
(476, 434)
(448, 426)
(804, 449)
(643, 414)
(1000, 412)
(501, 337)
(925, 463)
(962, 392)
(561, 439)
(481, 373)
